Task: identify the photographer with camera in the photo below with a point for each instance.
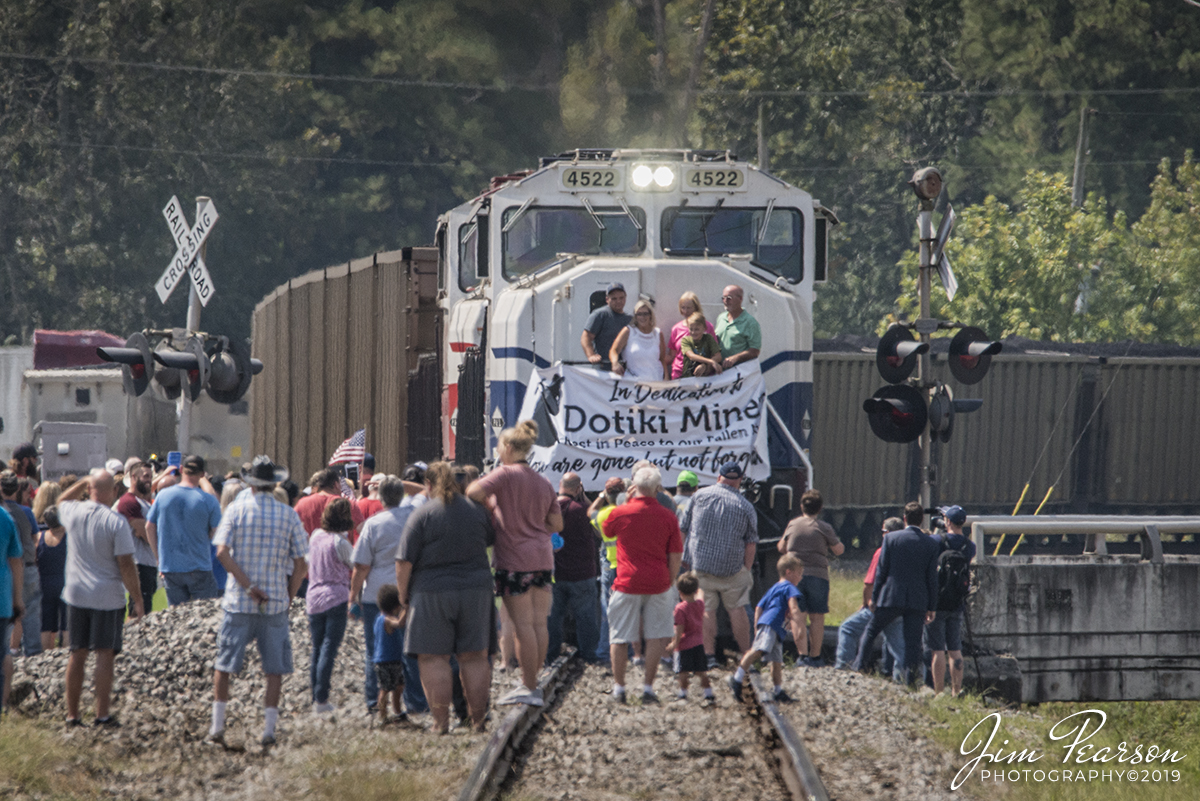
(943, 635)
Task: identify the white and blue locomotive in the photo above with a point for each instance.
(524, 264)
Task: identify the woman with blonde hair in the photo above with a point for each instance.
(640, 350)
(445, 589)
(689, 304)
(52, 567)
(527, 514)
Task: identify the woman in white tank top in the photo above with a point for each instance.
(640, 350)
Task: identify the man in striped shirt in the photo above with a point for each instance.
(720, 532)
(262, 545)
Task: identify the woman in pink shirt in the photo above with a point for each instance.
(526, 512)
(689, 304)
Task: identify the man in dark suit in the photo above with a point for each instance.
(906, 585)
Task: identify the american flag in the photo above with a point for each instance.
(352, 450)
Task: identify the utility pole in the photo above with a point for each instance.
(1081, 146)
(764, 157)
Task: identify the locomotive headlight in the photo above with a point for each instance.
(654, 177)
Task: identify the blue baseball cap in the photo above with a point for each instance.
(955, 514)
(731, 470)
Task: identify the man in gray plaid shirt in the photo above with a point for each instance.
(720, 532)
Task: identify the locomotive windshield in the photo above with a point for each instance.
(717, 230)
(536, 237)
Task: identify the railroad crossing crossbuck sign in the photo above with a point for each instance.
(187, 259)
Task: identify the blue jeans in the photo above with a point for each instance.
(414, 695)
(851, 631)
(190, 586)
(582, 600)
(31, 621)
(327, 629)
(607, 577)
(913, 624)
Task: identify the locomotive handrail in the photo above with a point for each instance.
(792, 441)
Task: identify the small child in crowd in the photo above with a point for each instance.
(783, 603)
(700, 349)
(389, 650)
(688, 643)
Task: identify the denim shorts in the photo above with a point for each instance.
(269, 631)
(945, 632)
(816, 595)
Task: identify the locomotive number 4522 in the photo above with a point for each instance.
(584, 178)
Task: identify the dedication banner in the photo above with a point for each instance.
(599, 424)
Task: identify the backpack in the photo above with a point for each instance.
(954, 578)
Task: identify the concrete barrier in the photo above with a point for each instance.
(1093, 626)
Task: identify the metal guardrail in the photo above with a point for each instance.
(1149, 528)
(797, 768)
(502, 747)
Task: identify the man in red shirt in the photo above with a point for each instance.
(649, 550)
(311, 507)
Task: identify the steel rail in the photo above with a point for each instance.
(505, 742)
(795, 765)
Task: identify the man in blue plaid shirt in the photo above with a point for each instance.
(720, 531)
(262, 544)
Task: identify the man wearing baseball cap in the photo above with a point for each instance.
(183, 520)
(685, 486)
(602, 327)
(943, 635)
(720, 533)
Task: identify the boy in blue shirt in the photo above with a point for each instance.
(783, 603)
(389, 651)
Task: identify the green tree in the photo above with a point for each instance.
(1045, 270)
(873, 115)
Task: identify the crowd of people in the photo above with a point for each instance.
(446, 570)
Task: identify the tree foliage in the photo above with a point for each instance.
(1043, 269)
(330, 129)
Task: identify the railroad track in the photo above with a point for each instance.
(582, 741)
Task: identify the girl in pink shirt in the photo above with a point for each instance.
(689, 304)
(527, 513)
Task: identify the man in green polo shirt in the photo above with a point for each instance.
(738, 332)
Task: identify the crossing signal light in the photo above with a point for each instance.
(136, 360)
(971, 354)
(897, 413)
(896, 356)
(230, 370)
(185, 369)
(942, 409)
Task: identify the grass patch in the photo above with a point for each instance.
(36, 762)
(845, 594)
(1171, 725)
(390, 771)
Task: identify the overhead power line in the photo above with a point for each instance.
(290, 159)
(217, 154)
(502, 86)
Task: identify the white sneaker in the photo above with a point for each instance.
(521, 695)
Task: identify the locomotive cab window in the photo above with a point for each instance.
(538, 236)
(776, 246)
(472, 253)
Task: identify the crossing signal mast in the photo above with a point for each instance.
(921, 408)
(186, 361)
